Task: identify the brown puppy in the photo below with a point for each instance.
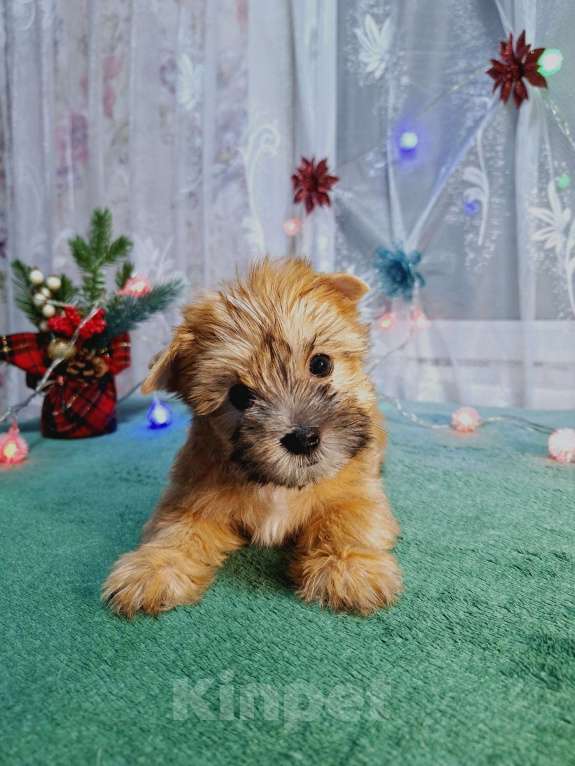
(285, 444)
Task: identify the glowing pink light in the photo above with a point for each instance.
(562, 445)
(387, 321)
(136, 287)
(292, 226)
(13, 448)
(419, 319)
(465, 420)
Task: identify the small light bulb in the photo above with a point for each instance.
(465, 420)
(159, 414)
(135, 287)
(564, 181)
(13, 447)
(408, 141)
(292, 226)
(550, 61)
(387, 321)
(562, 445)
(471, 207)
(419, 319)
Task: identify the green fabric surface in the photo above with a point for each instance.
(475, 665)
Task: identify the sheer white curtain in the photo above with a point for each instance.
(187, 118)
(139, 106)
(486, 196)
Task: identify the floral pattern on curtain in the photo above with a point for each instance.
(137, 106)
(187, 118)
(486, 196)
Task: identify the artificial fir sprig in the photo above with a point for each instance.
(65, 292)
(124, 312)
(98, 252)
(124, 273)
(44, 301)
(21, 279)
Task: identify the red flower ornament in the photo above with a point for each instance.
(312, 184)
(66, 324)
(517, 64)
(94, 326)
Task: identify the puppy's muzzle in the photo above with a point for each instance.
(303, 440)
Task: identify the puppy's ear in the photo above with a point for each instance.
(348, 285)
(164, 371)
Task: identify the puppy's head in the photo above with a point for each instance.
(275, 363)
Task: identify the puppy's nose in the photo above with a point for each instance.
(301, 441)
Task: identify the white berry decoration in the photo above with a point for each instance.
(54, 283)
(48, 310)
(46, 292)
(36, 277)
(38, 299)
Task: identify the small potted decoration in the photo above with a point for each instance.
(82, 341)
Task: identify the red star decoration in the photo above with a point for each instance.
(312, 184)
(516, 64)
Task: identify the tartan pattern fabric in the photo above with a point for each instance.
(119, 357)
(73, 408)
(26, 350)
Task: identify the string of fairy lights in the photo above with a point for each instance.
(396, 270)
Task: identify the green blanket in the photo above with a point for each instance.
(475, 665)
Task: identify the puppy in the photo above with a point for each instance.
(285, 444)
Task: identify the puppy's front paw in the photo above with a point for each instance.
(153, 580)
(355, 579)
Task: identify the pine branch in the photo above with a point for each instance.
(81, 253)
(100, 251)
(118, 249)
(67, 291)
(93, 287)
(124, 312)
(100, 235)
(20, 278)
(124, 273)
(21, 271)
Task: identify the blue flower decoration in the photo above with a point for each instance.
(398, 274)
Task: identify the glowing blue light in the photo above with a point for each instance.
(408, 141)
(159, 415)
(471, 207)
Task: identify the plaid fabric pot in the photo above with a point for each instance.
(80, 400)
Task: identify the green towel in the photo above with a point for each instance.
(475, 665)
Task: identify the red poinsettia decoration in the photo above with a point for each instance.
(312, 183)
(517, 64)
(66, 324)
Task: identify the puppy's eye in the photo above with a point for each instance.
(241, 396)
(320, 365)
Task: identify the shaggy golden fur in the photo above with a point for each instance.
(285, 445)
